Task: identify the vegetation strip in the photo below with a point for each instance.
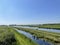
(22, 39)
(48, 26)
(8, 36)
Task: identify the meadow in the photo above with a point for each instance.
(6, 36)
(48, 26)
(9, 36)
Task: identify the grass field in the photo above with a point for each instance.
(23, 40)
(6, 36)
(47, 36)
(9, 36)
(49, 26)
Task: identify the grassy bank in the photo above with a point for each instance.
(9, 36)
(46, 36)
(6, 36)
(23, 40)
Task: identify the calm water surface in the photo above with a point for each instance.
(44, 29)
(40, 42)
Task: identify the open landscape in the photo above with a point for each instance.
(52, 37)
(29, 22)
(10, 35)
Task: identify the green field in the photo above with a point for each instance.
(6, 36)
(49, 26)
(9, 36)
(46, 36)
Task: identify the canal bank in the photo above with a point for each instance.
(44, 35)
(22, 39)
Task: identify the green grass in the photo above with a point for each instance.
(47, 36)
(9, 36)
(6, 36)
(49, 26)
(23, 40)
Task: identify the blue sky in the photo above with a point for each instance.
(29, 11)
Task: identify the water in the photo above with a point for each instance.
(40, 42)
(44, 29)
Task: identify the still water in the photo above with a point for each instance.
(39, 41)
(44, 29)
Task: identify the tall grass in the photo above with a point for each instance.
(6, 36)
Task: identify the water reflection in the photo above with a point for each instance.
(44, 29)
(34, 38)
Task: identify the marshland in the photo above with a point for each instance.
(9, 36)
(25, 35)
(52, 37)
(29, 22)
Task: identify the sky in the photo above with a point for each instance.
(29, 11)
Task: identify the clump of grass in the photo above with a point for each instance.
(6, 37)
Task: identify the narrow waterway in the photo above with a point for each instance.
(44, 29)
(34, 38)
